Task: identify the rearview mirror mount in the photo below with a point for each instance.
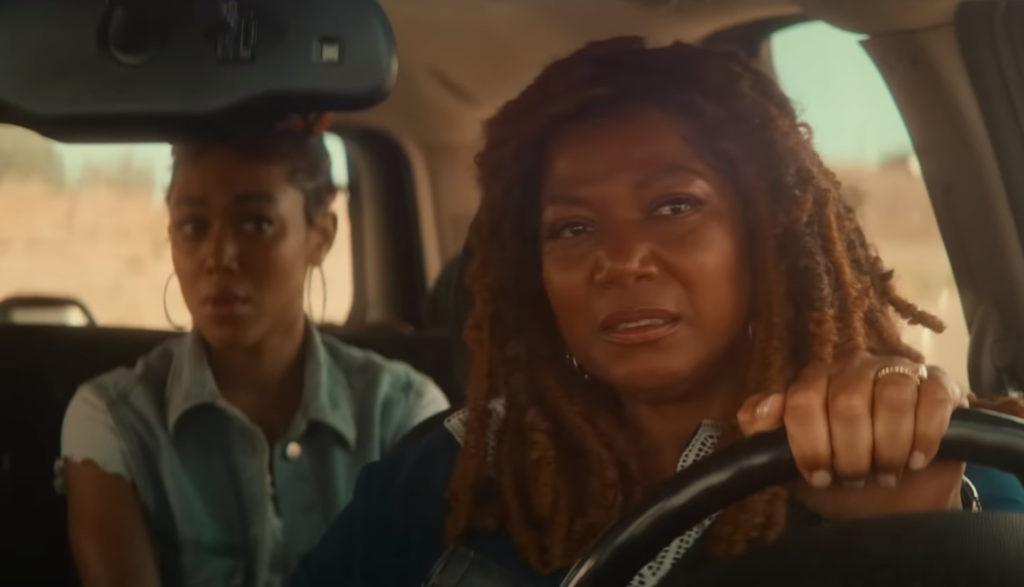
(89, 70)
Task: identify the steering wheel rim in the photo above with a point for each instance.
(712, 484)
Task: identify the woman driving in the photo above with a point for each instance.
(661, 264)
(224, 454)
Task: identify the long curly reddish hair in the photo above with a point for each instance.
(552, 471)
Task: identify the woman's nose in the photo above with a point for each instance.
(623, 255)
(221, 250)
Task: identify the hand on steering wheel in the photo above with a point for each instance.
(864, 433)
(935, 548)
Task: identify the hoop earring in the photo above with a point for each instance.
(323, 293)
(167, 311)
(576, 365)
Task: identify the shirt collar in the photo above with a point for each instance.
(191, 382)
(326, 396)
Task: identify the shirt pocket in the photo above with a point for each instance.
(203, 567)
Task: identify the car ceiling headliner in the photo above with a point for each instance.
(460, 59)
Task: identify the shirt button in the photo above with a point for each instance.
(293, 450)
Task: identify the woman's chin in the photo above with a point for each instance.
(225, 335)
(664, 374)
(649, 383)
(661, 380)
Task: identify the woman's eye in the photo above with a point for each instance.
(570, 230)
(677, 206)
(260, 225)
(191, 227)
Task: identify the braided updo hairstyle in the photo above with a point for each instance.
(296, 142)
(552, 471)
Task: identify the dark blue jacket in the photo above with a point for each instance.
(392, 532)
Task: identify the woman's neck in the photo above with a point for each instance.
(662, 425)
(263, 380)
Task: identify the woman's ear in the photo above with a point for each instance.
(325, 229)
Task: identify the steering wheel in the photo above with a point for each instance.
(940, 548)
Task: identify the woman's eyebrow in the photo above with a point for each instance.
(561, 199)
(189, 201)
(253, 198)
(670, 173)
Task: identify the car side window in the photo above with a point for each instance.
(859, 132)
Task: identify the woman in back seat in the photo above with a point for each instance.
(221, 458)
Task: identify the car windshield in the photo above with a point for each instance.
(858, 130)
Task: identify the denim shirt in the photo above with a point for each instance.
(223, 506)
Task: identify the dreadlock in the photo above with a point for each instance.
(826, 294)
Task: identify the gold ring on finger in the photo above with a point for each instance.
(918, 373)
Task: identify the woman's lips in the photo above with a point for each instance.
(226, 304)
(639, 326)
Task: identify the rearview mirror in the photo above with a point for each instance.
(92, 70)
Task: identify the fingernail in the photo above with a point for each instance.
(765, 407)
(917, 461)
(886, 480)
(853, 483)
(821, 479)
